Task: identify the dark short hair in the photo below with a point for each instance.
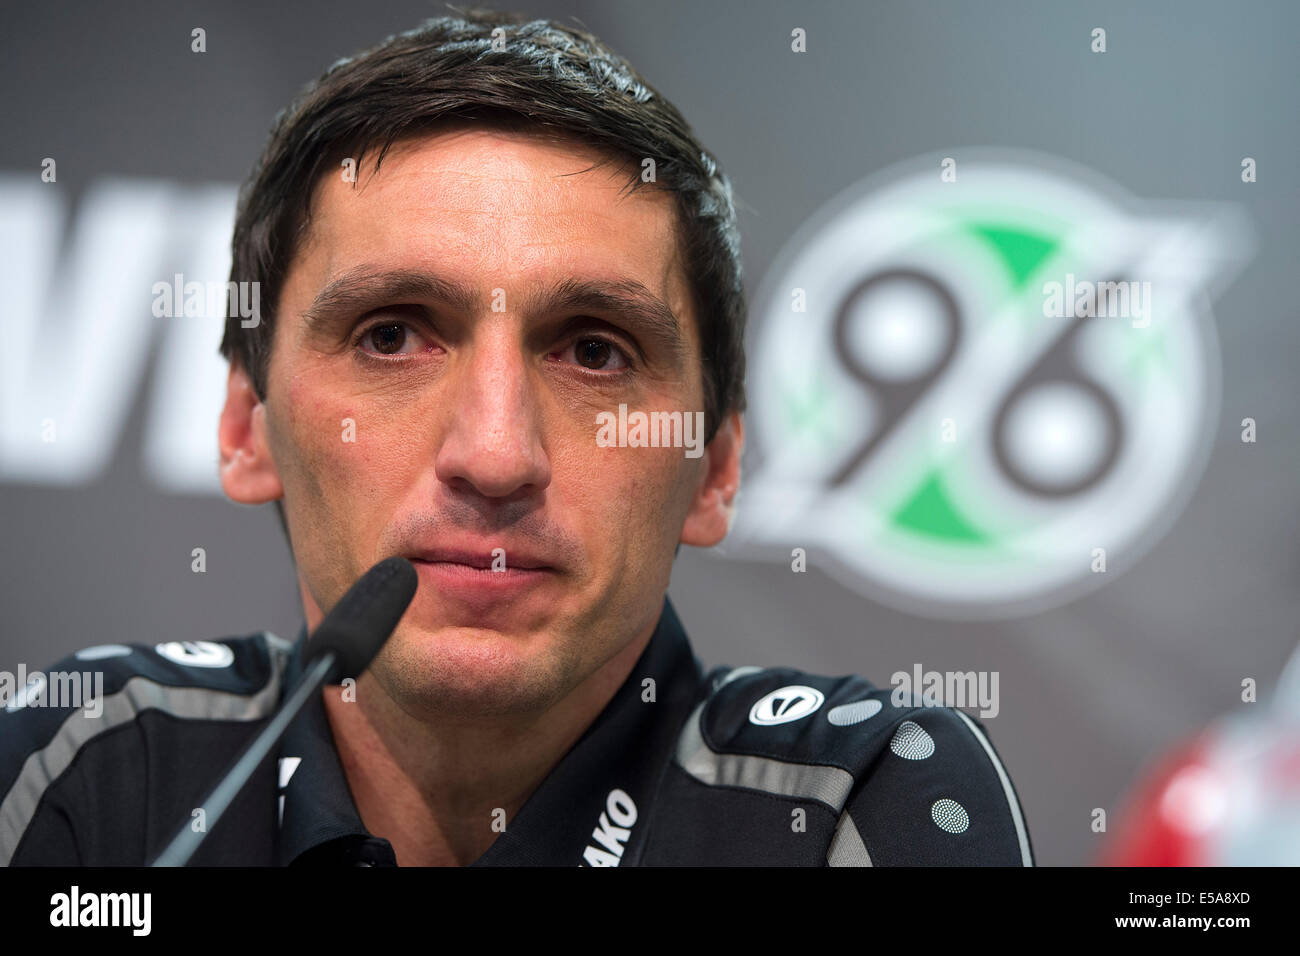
(540, 75)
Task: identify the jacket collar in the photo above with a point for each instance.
(624, 749)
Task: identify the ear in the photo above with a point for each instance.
(713, 504)
(248, 474)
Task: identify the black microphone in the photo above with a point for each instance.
(343, 646)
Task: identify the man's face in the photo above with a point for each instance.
(446, 337)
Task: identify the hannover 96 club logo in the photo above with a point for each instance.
(986, 384)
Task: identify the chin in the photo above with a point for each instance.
(464, 671)
(434, 617)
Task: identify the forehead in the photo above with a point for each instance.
(495, 208)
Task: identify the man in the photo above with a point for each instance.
(477, 246)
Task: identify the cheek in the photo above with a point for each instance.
(317, 425)
(348, 451)
(632, 501)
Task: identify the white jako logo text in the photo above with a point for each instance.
(613, 831)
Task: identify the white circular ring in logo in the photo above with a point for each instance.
(197, 653)
(785, 704)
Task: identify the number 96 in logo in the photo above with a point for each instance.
(986, 384)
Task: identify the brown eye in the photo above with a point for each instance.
(387, 339)
(596, 355)
(592, 353)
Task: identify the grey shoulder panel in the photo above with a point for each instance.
(830, 785)
(837, 740)
(847, 848)
(766, 729)
(42, 731)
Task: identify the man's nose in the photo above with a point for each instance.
(493, 441)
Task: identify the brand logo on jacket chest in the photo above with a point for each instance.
(612, 832)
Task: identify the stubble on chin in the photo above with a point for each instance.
(468, 676)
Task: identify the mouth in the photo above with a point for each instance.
(496, 559)
(483, 588)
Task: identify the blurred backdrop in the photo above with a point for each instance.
(948, 460)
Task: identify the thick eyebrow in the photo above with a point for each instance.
(629, 299)
(367, 287)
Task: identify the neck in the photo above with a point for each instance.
(441, 794)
